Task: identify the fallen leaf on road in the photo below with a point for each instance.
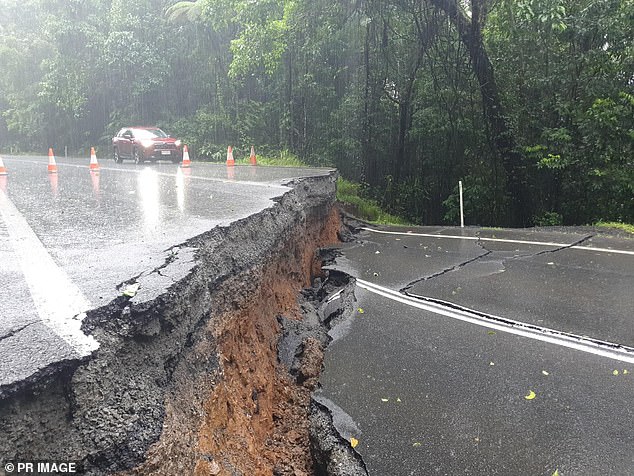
(491, 364)
(530, 395)
(545, 373)
(417, 444)
(131, 290)
(398, 400)
(625, 372)
(377, 252)
(361, 311)
(615, 372)
(354, 442)
(551, 263)
(491, 333)
(556, 473)
(385, 400)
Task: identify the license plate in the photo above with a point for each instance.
(166, 152)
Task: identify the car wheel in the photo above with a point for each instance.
(116, 156)
(138, 157)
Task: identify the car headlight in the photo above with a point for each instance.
(147, 143)
(178, 143)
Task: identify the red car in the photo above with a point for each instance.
(145, 143)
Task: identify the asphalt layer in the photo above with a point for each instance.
(427, 394)
(101, 231)
(578, 291)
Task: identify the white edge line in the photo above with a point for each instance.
(603, 250)
(563, 341)
(502, 240)
(60, 304)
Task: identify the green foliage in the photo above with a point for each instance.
(627, 227)
(478, 201)
(284, 158)
(386, 91)
(351, 195)
(548, 219)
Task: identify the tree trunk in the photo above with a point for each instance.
(470, 33)
(368, 158)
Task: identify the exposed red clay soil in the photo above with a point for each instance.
(257, 416)
(254, 414)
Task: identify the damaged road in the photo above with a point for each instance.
(185, 314)
(73, 241)
(428, 380)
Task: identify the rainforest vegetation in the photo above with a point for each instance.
(529, 102)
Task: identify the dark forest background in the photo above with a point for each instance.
(529, 102)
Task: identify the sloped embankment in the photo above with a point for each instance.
(187, 379)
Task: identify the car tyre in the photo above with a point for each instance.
(138, 157)
(117, 158)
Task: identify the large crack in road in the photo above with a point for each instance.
(189, 380)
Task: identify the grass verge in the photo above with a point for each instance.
(349, 193)
(285, 159)
(615, 224)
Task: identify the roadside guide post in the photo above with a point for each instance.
(461, 205)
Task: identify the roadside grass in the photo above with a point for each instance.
(627, 227)
(349, 194)
(284, 159)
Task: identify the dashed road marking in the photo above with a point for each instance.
(543, 334)
(59, 302)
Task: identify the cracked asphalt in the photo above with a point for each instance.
(69, 242)
(425, 393)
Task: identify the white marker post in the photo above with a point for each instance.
(461, 205)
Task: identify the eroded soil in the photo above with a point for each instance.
(254, 412)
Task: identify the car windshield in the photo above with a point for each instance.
(149, 133)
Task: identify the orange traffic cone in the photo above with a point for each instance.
(230, 161)
(3, 170)
(253, 158)
(52, 166)
(94, 165)
(186, 162)
(53, 179)
(94, 178)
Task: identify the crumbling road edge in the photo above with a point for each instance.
(106, 411)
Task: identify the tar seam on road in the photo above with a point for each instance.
(59, 302)
(501, 240)
(584, 344)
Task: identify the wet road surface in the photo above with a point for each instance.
(431, 383)
(69, 240)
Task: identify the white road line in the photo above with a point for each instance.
(502, 240)
(621, 353)
(59, 302)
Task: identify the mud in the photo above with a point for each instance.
(190, 379)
